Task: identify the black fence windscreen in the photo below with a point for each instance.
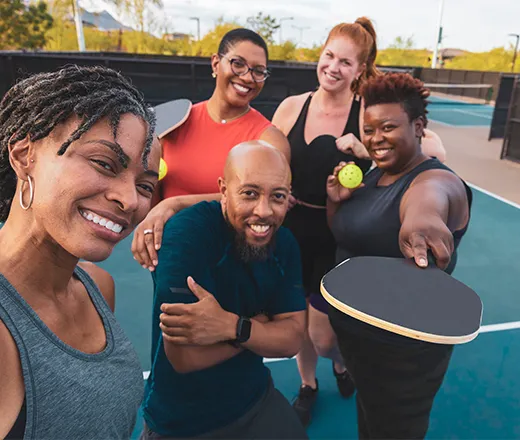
(163, 78)
(511, 144)
(502, 104)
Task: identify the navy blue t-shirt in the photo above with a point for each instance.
(198, 242)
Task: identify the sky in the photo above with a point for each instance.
(473, 25)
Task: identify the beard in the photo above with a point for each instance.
(248, 252)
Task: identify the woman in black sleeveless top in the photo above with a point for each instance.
(323, 128)
(408, 203)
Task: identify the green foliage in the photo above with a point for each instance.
(402, 53)
(497, 60)
(402, 43)
(266, 26)
(137, 10)
(62, 37)
(208, 44)
(23, 27)
(403, 57)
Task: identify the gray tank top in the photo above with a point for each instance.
(70, 394)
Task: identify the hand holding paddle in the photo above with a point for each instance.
(395, 295)
(419, 234)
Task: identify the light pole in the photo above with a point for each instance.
(79, 26)
(197, 19)
(516, 50)
(301, 29)
(281, 20)
(439, 36)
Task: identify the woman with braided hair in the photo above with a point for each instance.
(408, 204)
(78, 167)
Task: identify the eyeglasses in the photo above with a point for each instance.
(241, 68)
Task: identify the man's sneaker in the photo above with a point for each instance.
(346, 386)
(304, 403)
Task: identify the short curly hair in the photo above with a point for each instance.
(397, 88)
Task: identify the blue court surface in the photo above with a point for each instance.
(457, 113)
(480, 397)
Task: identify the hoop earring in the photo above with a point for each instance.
(31, 194)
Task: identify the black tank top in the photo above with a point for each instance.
(312, 163)
(17, 432)
(368, 223)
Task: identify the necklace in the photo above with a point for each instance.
(334, 112)
(225, 121)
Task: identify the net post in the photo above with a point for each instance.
(489, 94)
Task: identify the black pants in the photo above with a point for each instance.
(317, 249)
(396, 378)
(272, 417)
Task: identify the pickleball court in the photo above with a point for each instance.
(480, 397)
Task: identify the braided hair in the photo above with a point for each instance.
(35, 106)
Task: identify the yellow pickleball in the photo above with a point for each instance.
(163, 169)
(350, 176)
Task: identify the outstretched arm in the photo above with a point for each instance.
(435, 206)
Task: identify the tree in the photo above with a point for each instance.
(138, 10)
(23, 27)
(265, 26)
(402, 53)
(498, 60)
(402, 43)
(209, 43)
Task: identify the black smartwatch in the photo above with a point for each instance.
(243, 331)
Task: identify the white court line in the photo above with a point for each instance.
(490, 328)
(499, 327)
(454, 125)
(442, 123)
(478, 115)
(496, 196)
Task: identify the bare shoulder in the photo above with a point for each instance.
(103, 280)
(277, 139)
(287, 112)
(11, 381)
(433, 146)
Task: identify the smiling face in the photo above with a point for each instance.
(239, 91)
(255, 194)
(392, 140)
(94, 195)
(338, 65)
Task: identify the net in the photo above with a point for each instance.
(460, 94)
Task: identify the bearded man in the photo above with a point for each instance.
(227, 293)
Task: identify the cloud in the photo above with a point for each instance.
(476, 25)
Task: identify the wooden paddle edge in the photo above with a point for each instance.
(178, 124)
(394, 328)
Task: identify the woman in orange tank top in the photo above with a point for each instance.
(195, 152)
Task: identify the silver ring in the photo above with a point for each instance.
(148, 231)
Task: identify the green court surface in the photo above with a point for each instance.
(480, 397)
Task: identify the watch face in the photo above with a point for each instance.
(244, 329)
